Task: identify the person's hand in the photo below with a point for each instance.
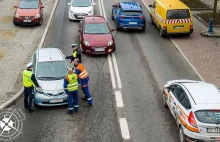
(67, 95)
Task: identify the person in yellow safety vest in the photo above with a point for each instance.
(29, 81)
(74, 53)
(71, 89)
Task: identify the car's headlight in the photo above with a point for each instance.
(37, 16)
(110, 43)
(71, 11)
(39, 90)
(86, 43)
(17, 16)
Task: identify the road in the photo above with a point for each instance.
(145, 62)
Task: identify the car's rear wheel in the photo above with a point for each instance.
(114, 49)
(164, 100)
(182, 136)
(143, 29)
(161, 33)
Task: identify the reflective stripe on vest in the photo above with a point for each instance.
(73, 83)
(74, 54)
(27, 82)
(83, 73)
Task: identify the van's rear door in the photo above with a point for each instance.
(178, 21)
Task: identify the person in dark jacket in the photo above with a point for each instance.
(29, 81)
(74, 53)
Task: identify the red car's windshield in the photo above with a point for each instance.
(28, 4)
(96, 28)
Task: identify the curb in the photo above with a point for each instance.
(206, 34)
(16, 96)
(181, 52)
(201, 20)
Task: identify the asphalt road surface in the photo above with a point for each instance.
(145, 62)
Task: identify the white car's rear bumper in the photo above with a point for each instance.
(199, 136)
(72, 17)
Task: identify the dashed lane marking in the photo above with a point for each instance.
(118, 98)
(124, 128)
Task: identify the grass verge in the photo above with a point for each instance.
(205, 16)
(194, 4)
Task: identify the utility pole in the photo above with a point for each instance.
(215, 8)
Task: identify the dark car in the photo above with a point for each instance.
(29, 12)
(96, 36)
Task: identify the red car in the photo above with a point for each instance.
(96, 36)
(29, 12)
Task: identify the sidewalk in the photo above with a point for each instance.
(17, 45)
(202, 52)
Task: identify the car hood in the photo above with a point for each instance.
(52, 86)
(98, 39)
(81, 9)
(27, 12)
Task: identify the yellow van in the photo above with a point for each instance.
(171, 17)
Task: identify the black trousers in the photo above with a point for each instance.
(70, 57)
(28, 97)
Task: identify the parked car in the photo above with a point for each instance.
(172, 17)
(195, 106)
(96, 36)
(80, 8)
(28, 12)
(50, 69)
(128, 15)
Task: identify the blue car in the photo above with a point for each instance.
(128, 15)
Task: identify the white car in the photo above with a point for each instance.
(80, 8)
(195, 106)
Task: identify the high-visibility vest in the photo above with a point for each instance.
(27, 82)
(74, 54)
(73, 83)
(83, 73)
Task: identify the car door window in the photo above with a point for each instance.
(181, 96)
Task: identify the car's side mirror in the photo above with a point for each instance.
(112, 30)
(15, 6)
(150, 5)
(93, 4)
(42, 6)
(69, 4)
(80, 30)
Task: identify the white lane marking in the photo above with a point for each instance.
(124, 128)
(100, 9)
(181, 52)
(113, 55)
(116, 71)
(119, 100)
(111, 72)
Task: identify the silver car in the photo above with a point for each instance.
(50, 68)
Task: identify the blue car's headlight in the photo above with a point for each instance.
(39, 90)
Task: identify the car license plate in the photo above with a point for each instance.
(99, 49)
(56, 101)
(27, 21)
(178, 27)
(213, 130)
(132, 22)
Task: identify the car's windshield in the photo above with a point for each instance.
(51, 70)
(81, 3)
(132, 13)
(178, 14)
(208, 116)
(96, 28)
(28, 4)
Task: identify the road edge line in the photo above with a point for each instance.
(181, 52)
(17, 95)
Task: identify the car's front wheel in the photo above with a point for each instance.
(161, 33)
(182, 136)
(164, 100)
(41, 21)
(15, 23)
